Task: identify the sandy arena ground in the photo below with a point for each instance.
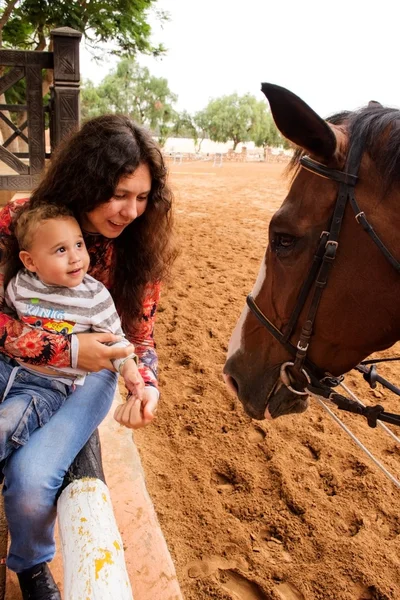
(289, 510)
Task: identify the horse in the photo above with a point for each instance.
(327, 293)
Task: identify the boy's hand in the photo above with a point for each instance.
(133, 379)
(134, 413)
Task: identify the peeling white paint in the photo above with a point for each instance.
(93, 555)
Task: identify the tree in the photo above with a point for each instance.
(263, 131)
(229, 118)
(195, 127)
(27, 23)
(131, 89)
(201, 124)
(184, 126)
(240, 119)
(92, 104)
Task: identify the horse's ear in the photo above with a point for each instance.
(374, 104)
(299, 123)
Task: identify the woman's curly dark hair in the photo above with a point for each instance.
(84, 174)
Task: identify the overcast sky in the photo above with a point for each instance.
(336, 54)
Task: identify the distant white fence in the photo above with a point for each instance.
(218, 158)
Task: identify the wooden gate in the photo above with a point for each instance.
(63, 106)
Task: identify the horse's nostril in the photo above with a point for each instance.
(231, 383)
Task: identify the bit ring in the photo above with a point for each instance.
(285, 378)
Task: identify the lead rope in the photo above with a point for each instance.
(380, 466)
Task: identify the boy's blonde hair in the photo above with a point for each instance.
(28, 219)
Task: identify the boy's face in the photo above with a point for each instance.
(57, 253)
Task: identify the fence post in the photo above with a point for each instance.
(64, 116)
(93, 552)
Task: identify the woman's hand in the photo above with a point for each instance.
(134, 413)
(94, 354)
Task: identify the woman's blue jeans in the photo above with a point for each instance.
(34, 472)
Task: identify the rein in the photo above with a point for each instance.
(313, 380)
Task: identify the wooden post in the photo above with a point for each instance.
(93, 554)
(65, 90)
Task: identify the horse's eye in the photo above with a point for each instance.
(282, 242)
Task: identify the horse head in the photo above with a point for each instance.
(326, 295)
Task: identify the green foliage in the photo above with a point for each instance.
(122, 22)
(264, 131)
(240, 119)
(92, 104)
(18, 33)
(200, 121)
(230, 118)
(131, 89)
(195, 127)
(185, 126)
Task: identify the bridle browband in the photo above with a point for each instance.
(309, 377)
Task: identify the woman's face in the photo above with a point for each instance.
(128, 202)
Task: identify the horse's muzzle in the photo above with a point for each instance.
(269, 399)
(285, 402)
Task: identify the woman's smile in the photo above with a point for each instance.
(119, 225)
(128, 202)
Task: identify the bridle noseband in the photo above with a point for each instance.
(313, 379)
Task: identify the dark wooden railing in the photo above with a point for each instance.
(63, 106)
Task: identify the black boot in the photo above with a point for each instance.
(37, 583)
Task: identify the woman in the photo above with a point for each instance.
(111, 174)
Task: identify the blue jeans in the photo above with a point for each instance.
(27, 402)
(34, 472)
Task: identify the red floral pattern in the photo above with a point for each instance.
(38, 347)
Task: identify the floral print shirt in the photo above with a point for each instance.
(38, 347)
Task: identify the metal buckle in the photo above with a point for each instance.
(359, 215)
(302, 348)
(332, 243)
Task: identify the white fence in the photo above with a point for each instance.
(218, 158)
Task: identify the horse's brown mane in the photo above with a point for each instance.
(371, 122)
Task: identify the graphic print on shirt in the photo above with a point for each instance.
(46, 318)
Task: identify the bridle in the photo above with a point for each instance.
(314, 380)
